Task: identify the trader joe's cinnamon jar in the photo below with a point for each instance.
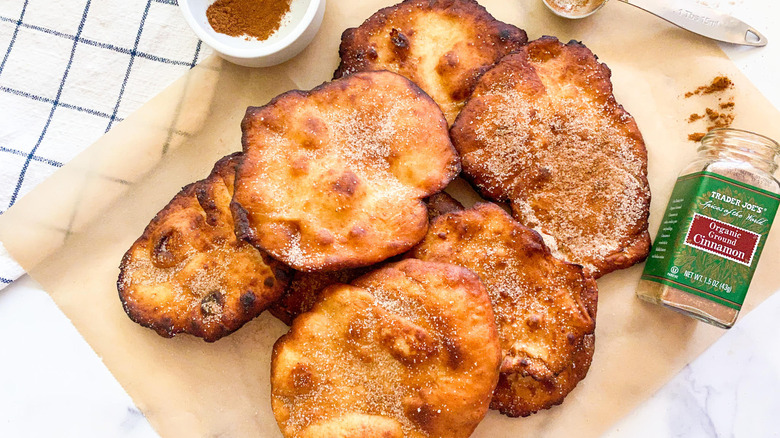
(714, 228)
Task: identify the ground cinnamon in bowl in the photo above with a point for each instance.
(249, 18)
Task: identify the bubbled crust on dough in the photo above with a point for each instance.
(442, 45)
(544, 132)
(305, 287)
(441, 203)
(334, 178)
(188, 273)
(544, 307)
(355, 426)
(408, 350)
(519, 395)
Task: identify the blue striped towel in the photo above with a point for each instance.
(71, 70)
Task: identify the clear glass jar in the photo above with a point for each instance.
(714, 228)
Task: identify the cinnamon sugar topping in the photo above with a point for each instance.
(580, 158)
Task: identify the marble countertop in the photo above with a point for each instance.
(53, 384)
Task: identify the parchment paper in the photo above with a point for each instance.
(71, 232)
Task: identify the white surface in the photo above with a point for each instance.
(729, 391)
(9, 269)
(52, 384)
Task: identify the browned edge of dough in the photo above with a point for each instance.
(160, 327)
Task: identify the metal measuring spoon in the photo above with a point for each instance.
(686, 14)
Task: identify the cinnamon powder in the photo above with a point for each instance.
(257, 19)
(720, 83)
(696, 136)
(722, 115)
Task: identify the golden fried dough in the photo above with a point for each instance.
(442, 203)
(409, 350)
(521, 395)
(544, 132)
(441, 45)
(334, 178)
(305, 287)
(188, 273)
(544, 307)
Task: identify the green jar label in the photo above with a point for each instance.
(711, 237)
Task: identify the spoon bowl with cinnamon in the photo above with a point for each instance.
(687, 14)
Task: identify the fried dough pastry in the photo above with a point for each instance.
(188, 273)
(409, 350)
(305, 287)
(334, 178)
(441, 45)
(441, 203)
(545, 308)
(520, 395)
(544, 132)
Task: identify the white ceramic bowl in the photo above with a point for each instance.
(296, 32)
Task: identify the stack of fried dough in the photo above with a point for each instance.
(411, 315)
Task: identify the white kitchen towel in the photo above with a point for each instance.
(70, 71)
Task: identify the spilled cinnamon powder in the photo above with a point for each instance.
(719, 119)
(722, 115)
(249, 18)
(696, 136)
(720, 83)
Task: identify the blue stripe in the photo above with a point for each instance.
(53, 108)
(24, 154)
(93, 43)
(130, 65)
(13, 38)
(116, 180)
(5, 280)
(47, 100)
(197, 52)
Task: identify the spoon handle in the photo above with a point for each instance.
(702, 20)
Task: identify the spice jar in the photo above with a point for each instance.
(714, 228)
